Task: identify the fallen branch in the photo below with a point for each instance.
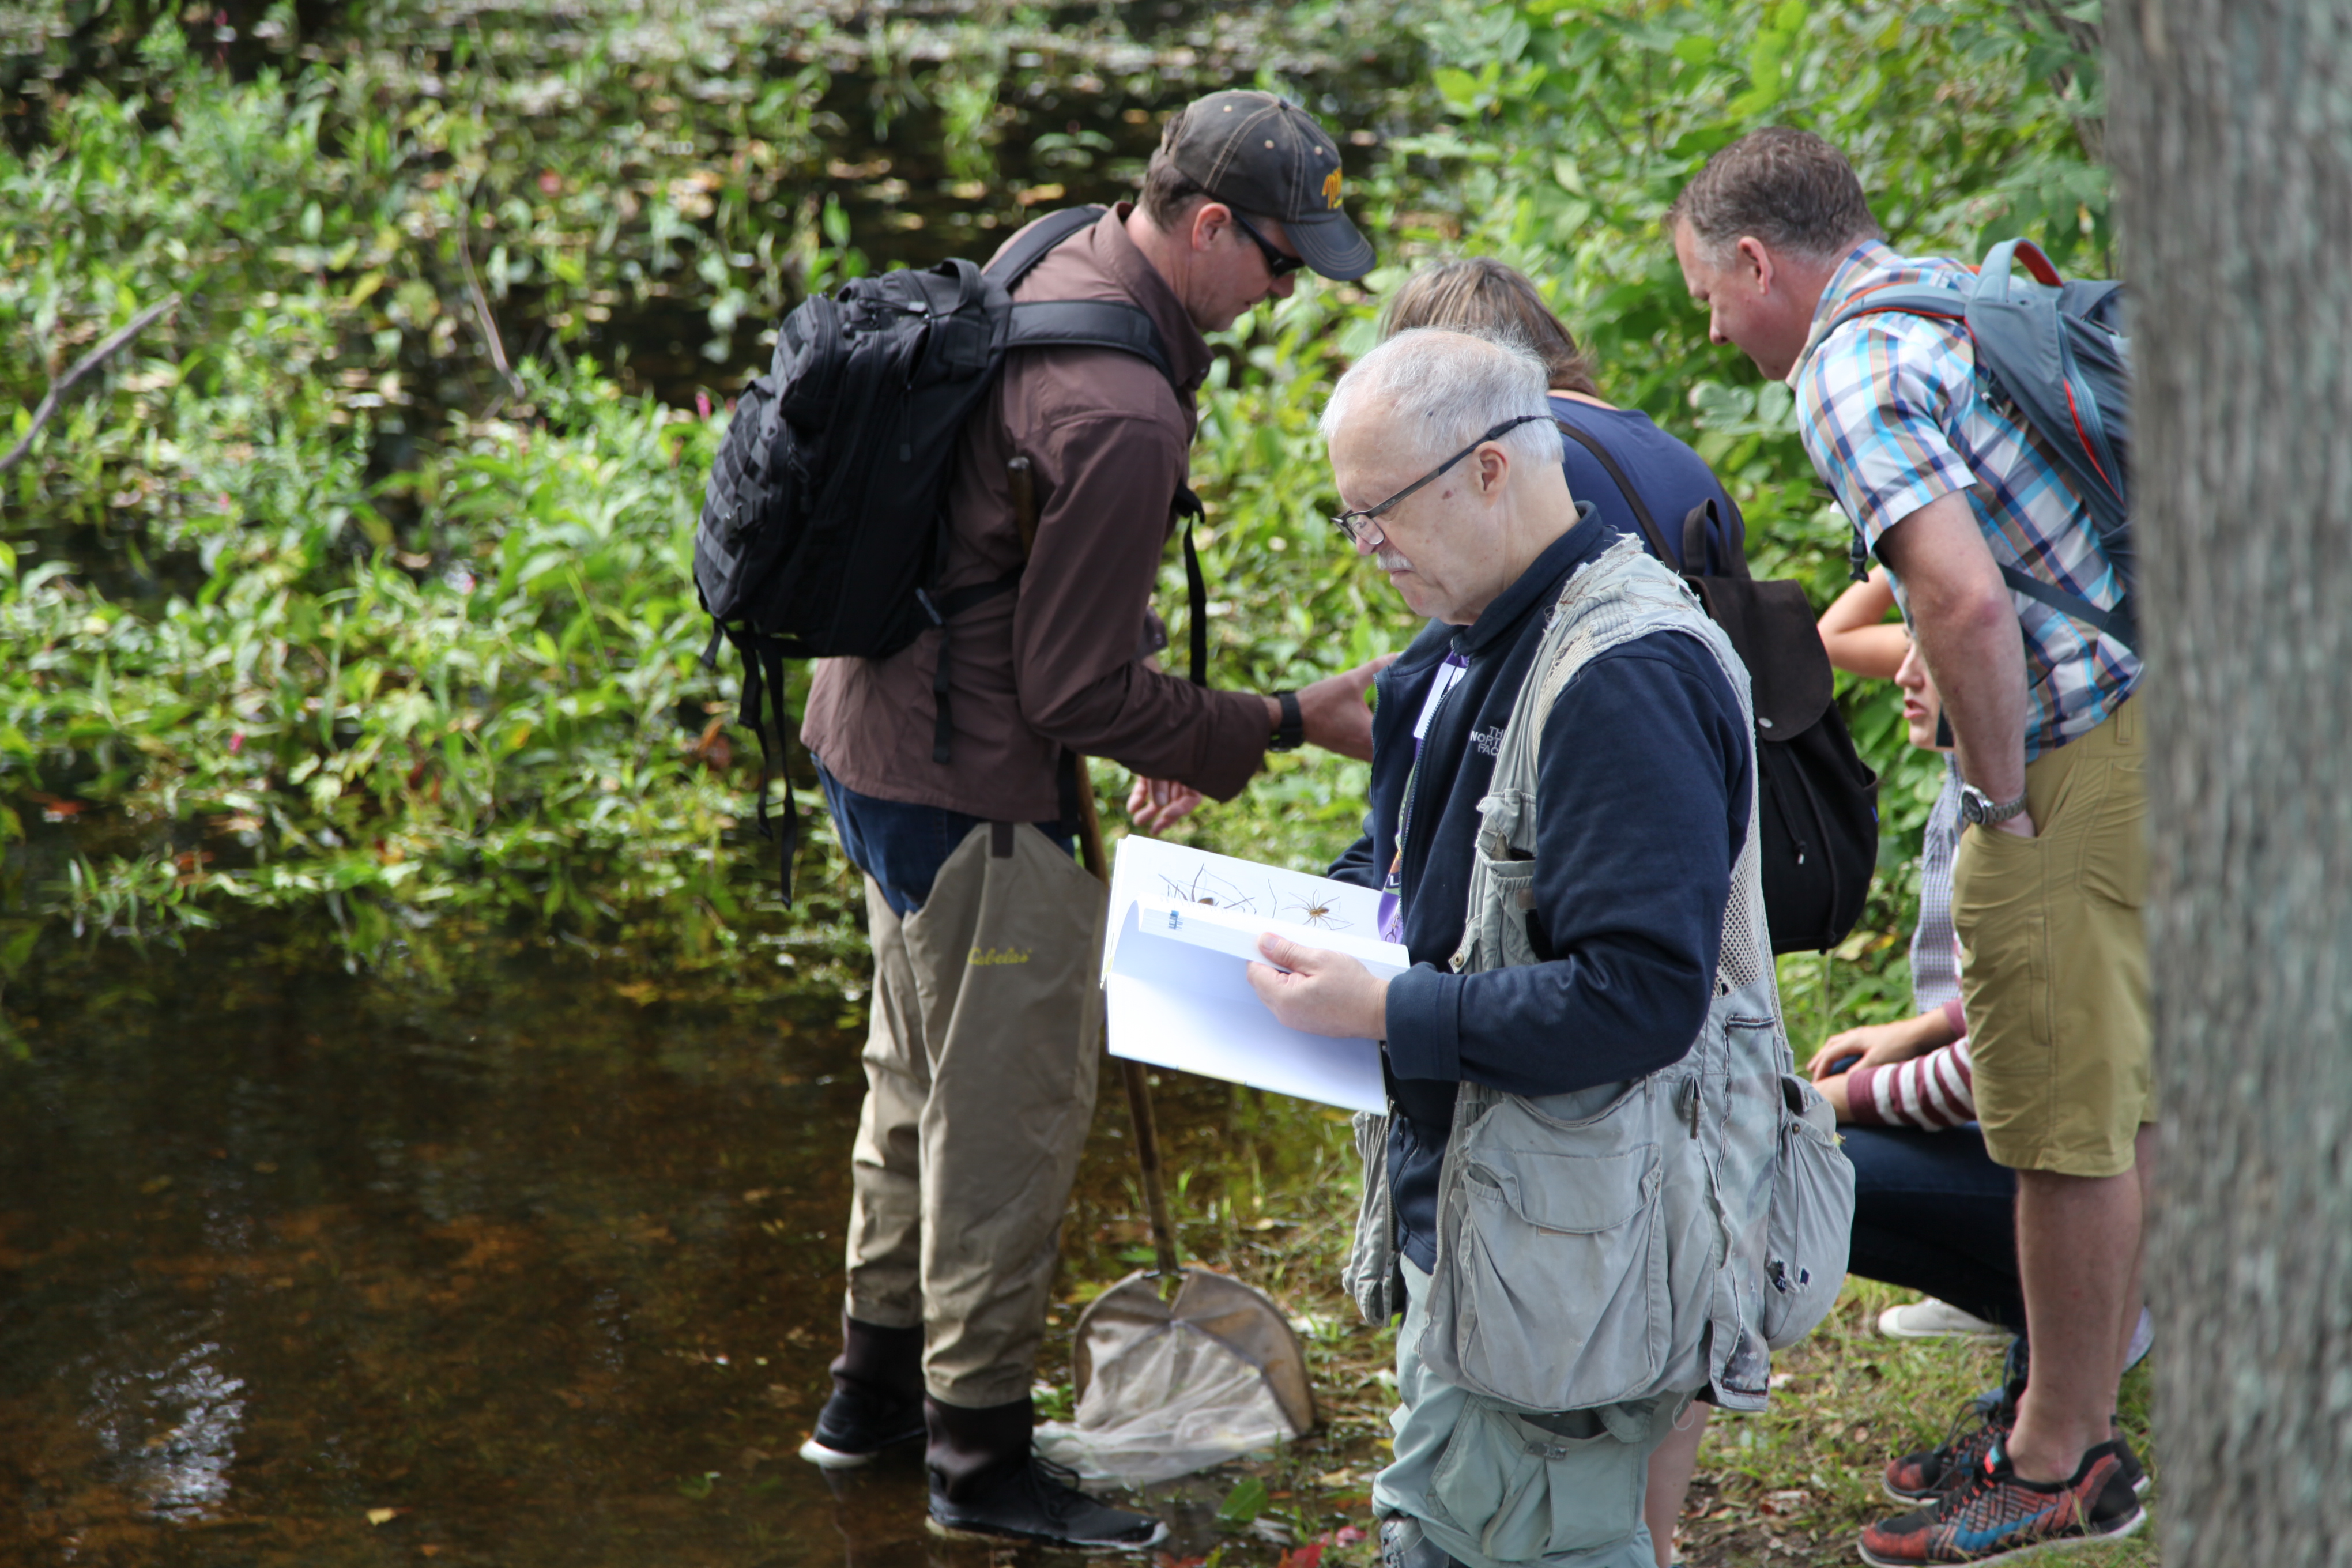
(82, 367)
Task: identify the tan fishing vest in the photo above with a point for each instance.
(1653, 1236)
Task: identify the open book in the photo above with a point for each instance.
(1183, 930)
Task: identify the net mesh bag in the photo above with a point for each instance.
(1166, 1388)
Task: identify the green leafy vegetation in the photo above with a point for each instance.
(359, 584)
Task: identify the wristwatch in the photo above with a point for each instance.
(1291, 734)
(1983, 810)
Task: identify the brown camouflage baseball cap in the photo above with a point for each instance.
(1271, 159)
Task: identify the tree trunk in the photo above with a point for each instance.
(2231, 122)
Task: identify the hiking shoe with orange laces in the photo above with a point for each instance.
(1994, 1515)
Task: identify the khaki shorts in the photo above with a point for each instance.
(2053, 960)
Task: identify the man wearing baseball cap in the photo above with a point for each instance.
(1258, 156)
(981, 1055)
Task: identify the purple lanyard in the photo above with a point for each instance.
(1392, 921)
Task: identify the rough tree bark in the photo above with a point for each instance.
(2231, 122)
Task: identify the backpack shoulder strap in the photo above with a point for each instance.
(1650, 530)
(1071, 324)
(2117, 623)
(1086, 323)
(1041, 237)
(1706, 525)
(1702, 522)
(1905, 298)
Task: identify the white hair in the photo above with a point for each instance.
(1444, 388)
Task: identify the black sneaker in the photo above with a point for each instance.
(1926, 1474)
(857, 1423)
(1036, 1500)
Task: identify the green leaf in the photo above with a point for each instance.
(1242, 1504)
(1764, 70)
(18, 947)
(1458, 88)
(1703, 140)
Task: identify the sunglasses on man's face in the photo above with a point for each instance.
(1354, 524)
(1277, 262)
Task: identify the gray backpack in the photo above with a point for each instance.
(2059, 351)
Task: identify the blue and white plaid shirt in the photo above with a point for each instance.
(1892, 417)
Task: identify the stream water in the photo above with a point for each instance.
(516, 1269)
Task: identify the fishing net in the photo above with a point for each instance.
(1166, 1388)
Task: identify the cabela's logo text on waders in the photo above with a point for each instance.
(983, 957)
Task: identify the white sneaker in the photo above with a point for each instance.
(1931, 1319)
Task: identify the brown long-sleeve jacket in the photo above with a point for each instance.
(1057, 662)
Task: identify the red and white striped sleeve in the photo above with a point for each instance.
(1933, 1092)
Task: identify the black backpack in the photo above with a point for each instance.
(2056, 349)
(823, 524)
(1818, 805)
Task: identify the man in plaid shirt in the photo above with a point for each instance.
(1949, 485)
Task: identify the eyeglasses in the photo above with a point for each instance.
(1352, 523)
(1276, 263)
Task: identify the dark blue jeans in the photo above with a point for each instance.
(902, 847)
(1933, 1212)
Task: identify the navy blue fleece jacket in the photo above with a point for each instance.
(1643, 795)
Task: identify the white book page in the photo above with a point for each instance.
(1183, 930)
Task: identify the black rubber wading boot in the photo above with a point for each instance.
(877, 1396)
(986, 1481)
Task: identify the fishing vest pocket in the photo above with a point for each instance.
(1812, 1216)
(1560, 1280)
(1526, 1488)
(1503, 888)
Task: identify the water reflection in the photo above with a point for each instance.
(299, 1268)
(172, 1432)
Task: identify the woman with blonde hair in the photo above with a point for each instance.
(1604, 449)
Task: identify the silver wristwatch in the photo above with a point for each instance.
(1983, 810)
